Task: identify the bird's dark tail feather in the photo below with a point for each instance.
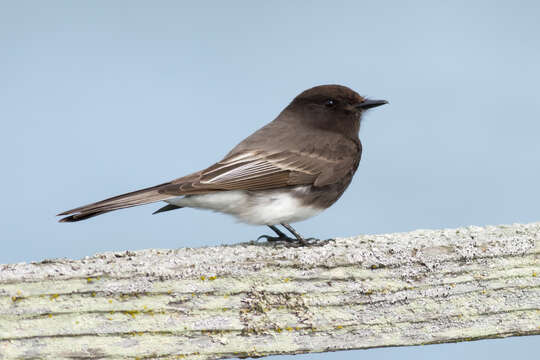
(166, 208)
(139, 197)
(81, 216)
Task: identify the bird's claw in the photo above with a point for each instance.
(314, 242)
(293, 241)
(276, 238)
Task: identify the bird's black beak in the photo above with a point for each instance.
(368, 104)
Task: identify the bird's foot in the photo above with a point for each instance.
(312, 242)
(295, 242)
(283, 238)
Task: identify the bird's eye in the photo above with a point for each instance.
(330, 103)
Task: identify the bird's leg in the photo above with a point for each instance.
(300, 238)
(280, 235)
(277, 231)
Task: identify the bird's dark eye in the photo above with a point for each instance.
(330, 103)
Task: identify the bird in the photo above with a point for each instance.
(289, 170)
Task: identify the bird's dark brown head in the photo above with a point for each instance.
(332, 107)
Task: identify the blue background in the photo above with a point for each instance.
(104, 97)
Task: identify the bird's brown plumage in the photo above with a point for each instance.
(307, 147)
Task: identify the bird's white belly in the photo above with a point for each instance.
(259, 208)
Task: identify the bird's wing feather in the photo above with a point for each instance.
(255, 170)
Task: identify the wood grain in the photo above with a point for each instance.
(257, 299)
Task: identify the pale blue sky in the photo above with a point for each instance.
(103, 97)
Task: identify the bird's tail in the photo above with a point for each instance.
(139, 197)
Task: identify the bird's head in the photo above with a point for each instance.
(332, 107)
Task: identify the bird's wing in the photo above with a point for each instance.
(250, 170)
(256, 170)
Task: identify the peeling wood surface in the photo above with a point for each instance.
(422, 287)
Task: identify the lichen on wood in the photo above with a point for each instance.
(256, 299)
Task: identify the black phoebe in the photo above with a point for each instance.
(287, 171)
